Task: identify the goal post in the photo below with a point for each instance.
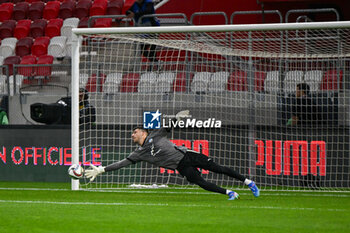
(240, 84)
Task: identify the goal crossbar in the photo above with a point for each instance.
(215, 28)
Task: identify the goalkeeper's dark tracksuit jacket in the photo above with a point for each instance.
(157, 150)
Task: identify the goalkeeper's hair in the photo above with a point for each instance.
(140, 128)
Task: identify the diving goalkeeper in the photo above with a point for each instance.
(155, 148)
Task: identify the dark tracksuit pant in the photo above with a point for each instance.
(193, 160)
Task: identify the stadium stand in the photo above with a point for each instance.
(24, 46)
(98, 7)
(165, 82)
(260, 77)
(36, 10)
(51, 10)
(57, 46)
(10, 61)
(7, 28)
(313, 78)
(332, 80)
(8, 46)
(40, 46)
(237, 81)
(82, 9)
(271, 84)
(19, 81)
(37, 28)
(53, 27)
(6, 10)
(130, 82)
(44, 70)
(102, 23)
(67, 9)
(20, 11)
(83, 23)
(27, 71)
(68, 25)
(95, 83)
(83, 79)
(3, 88)
(200, 82)
(291, 79)
(113, 82)
(147, 82)
(68, 49)
(218, 82)
(114, 7)
(180, 81)
(22, 28)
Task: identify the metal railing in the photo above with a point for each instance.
(217, 13)
(270, 12)
(121, 17)
(308, 11)
(178, 18)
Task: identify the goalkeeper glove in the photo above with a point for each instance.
(182, 114)
(95, 171)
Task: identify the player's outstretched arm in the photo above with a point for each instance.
(95, 171)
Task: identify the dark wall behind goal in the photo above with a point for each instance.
(282, 156)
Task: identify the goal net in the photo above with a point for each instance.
(270, 101)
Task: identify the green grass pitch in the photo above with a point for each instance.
(53, 207)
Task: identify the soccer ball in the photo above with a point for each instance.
(75, 171)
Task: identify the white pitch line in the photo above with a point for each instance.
(166, 204)
(161, 191)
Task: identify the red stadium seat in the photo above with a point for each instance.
(98, 7)
(40, 46)
(6, 10)
(95, 84)
(130, 82)
(332, 80)
(259, 81)
(22, 28)
(83, 23)
(20, 11)
(67, 9)
(44, 70)
(10, 61)
(179, 84)
(27, 71)
(32, 1)
(115, 7)
(51, 10)
(24, 46)
(103, 23)
(82, 9)
(37, 28)
(53, 27)
(7, 28)
(16, 1)
(36, 10)
(237, 81)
